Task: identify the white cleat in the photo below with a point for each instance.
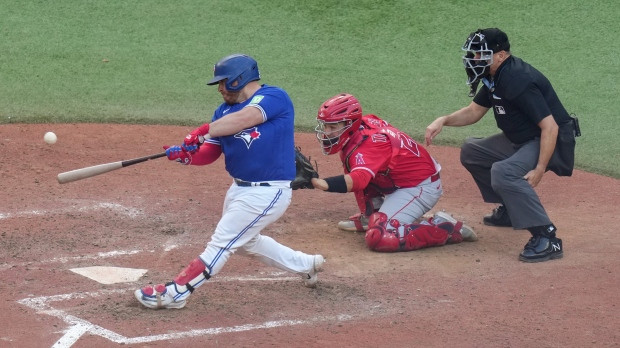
(311, 278)
(356, 223)
(467, 232)
(158, 296)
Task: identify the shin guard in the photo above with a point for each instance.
(193, 276)
(418, 236)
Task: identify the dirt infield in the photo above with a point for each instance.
(158, 215)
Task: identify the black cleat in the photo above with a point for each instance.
(499, 217)
(540, 248)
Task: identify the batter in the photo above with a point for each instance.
(254, 123)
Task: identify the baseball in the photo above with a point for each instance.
(50, 137)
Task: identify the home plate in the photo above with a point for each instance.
(110, 275)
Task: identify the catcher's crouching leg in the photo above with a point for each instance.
(378, 237)
(174, 293)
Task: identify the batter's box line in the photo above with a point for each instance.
(96, 256)
(79, 327)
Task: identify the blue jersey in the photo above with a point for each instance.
(265, 152)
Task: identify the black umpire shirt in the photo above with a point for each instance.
(521, 97)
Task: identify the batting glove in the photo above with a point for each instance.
(177, 153)
(196, 137)
(189, 148)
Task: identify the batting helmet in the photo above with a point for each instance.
(341, 108)
(237, 70)
(479, 48)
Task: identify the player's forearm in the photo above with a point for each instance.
(340, 183)
(235, 122)
(465, 116)
(548, 139)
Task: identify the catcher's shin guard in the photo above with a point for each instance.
(378, 237)
(418, 236)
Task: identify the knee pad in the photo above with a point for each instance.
(378, 238)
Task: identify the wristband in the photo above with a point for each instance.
(336, 184)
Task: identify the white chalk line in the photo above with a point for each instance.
(79, 327)
(65, 259)
(129, 212)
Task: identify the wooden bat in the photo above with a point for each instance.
(83, 173)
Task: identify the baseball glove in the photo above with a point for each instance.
(305, 171)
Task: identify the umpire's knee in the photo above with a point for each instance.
(467, 149)
(502, 176)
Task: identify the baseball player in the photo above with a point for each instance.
(253, 128)
(381, 161)
(537, 135)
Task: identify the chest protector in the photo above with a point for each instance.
(382, 182)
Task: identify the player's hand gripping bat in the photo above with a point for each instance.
(83, 173)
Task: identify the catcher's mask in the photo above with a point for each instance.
(237, 69)
(479, 48)
(339, 117)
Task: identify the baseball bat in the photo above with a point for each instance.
(83, 173)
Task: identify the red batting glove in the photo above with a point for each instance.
(177, 153)
(196, 137)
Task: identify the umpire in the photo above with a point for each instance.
(537, 135)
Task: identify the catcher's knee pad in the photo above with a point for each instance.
(419, 236)
(193, 276)
(378, 238)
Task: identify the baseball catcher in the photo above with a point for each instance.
(305, 171)
(395, 180)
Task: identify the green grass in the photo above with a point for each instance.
(147, 61)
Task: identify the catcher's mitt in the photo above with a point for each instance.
(305, 171)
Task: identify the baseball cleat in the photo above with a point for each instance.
(356, 223)
(540, 248)
(467, 232)
(159, 296)
(499, 217)
(311, 278)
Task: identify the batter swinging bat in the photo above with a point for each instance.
(87, 172)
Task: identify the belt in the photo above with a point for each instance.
(243, 183)
(435, 177)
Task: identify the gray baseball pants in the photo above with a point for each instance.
(498, 167)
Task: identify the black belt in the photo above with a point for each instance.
(435, 177)
(243, 183)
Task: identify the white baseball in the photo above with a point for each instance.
(50, 137)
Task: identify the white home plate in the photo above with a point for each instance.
(110, 275)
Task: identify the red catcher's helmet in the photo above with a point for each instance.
(343, 110)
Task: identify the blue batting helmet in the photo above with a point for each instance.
(238, 68)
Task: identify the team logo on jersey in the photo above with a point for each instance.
(248, 136)
(500, 110)
(359, 159)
